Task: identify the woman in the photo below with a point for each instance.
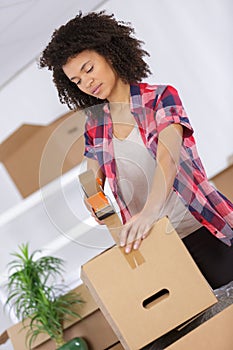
(138, 136)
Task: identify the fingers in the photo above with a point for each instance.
(132, 235)
(100, 222)
(137, 243)
(133, 245)
(123, 236)
(128, 235)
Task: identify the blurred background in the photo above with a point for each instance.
(190, 48)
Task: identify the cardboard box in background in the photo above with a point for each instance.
(34, 155)
(223, 181)
(214, 334)
(93, 327)
(146, 302)
(230, 159)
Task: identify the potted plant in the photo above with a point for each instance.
(34, 294)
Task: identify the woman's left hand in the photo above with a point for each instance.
(135, 230)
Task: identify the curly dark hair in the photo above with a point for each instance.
(102, 33)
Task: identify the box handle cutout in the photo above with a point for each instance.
(155, 298)
(72, 130)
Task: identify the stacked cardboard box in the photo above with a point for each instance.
(93, 327)
(34, 155)
(223, 182)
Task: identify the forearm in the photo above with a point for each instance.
(168, 157)
(162, 184)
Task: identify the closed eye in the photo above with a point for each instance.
(90, 69)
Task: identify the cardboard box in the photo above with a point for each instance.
(34, 155)
(93, 327)
(118, 346)
(142, 304)
(230, 159)
(223, 182)
(214, 334)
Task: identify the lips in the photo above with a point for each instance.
(96, 89)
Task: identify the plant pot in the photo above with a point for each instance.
(74, 344)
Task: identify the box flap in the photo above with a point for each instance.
(16, 139)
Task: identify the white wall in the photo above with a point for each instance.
(30, 98)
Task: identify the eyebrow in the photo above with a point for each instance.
(81, 69)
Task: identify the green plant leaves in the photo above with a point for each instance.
(33, 293)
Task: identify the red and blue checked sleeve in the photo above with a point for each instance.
(89, 151)
(169, 110)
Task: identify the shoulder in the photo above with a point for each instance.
(151, 94)
(159, 89)
(152, 89)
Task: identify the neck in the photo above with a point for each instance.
(121, 93)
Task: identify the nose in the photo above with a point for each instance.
(89, 83)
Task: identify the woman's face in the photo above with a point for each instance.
(92, 74)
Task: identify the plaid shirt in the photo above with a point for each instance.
(154, 108)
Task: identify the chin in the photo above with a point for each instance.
(102, 97)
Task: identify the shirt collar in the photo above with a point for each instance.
(135, 100)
